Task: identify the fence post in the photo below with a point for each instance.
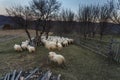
(117, 52)
(110, 53)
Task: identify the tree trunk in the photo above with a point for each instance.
(37, 39)
(28, 34)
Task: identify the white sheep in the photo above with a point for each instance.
(57, 58)
(17, 48)
(59, 46)
(65, 43)
(24, 45)
(71, 41)
(50, 45)
(27, 41)
(31, 48)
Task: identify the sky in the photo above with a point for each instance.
(69, 4)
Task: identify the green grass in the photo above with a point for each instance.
(81, 64)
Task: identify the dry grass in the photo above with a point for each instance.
(82, 64)
(16, 32)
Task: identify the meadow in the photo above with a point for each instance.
(81, 63)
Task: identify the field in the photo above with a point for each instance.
(81, 64)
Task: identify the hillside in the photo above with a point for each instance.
(112, 28)
(5, 20)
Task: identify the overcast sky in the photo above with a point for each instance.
(71, 4)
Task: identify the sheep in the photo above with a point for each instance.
(25, 42)
(31, 48)
(57, 58)
(24, 45)
(71, 41)
(50, 45)
(65, 43)
(59, 46)
(17, 48)
(56, 42)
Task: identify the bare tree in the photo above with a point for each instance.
(115, 17)
(85, 16)
(94, 20)
(67, 15)
(22, 16)
(104, 16)
(43, 13)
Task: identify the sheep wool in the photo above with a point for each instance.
(24, 45)
(31, 48)
(59, 46)
(17, 47)
(56, 58)
(50, 45)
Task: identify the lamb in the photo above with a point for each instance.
(31, 48)
(17, 48)
(57, 58)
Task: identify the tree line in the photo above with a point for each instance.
(41, 13)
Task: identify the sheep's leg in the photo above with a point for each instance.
(63, 65)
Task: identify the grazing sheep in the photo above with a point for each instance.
(56, 42)
(65, 43)
(71, 41)
(25, 42)
(17, 48)
(24, 45)
(59, 59)
(31, 48)
(50, 45)
(59, 46)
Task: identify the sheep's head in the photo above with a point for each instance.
(51, 55)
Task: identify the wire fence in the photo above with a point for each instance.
(108, 49)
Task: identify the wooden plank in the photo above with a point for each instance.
(28, 77)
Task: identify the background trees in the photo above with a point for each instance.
(104, 16)
(41, 14)
(88, 15)
(21, 16)
(39, 11)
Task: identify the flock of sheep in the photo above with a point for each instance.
(52, 43)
